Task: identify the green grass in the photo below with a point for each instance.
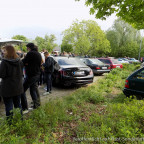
(99, 113)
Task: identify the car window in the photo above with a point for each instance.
(107, 61)
(140, 75)
(115, 61)
(96, 61)
(69, 61)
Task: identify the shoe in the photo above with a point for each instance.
(46, 93)
(45, 88)
(31, 108)
(25, 111)
(50, 92)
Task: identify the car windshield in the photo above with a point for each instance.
(132, 58)
(115, 61)
(69, 61)
(96, 61)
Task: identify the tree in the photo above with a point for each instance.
(22, 46)
(86, 37)
(124, 39)
(46, 43)
(132, 11)
(66, 48)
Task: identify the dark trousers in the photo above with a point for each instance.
(41, 79)
(34, 92)
(10, 102)
(48, 77)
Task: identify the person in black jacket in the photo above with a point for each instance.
(32, 63)
(11, 72)
(48, 69)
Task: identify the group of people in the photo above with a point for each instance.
(20, 74)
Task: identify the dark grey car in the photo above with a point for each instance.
(96, 65)
(71, 71)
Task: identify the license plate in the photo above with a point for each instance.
(104, 67)
(79, 73)
(118, 66)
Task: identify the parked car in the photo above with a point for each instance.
(71, 71)
(112, 62)
(134, 84)
(121, 60)
(132, 60)
(96, 65)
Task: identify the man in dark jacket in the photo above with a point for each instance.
(32, 63)
(48, 69)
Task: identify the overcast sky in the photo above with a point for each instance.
(33, 18)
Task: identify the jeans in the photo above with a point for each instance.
(9, 102)
(34, 92)
(48, 77)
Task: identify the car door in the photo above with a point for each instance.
(136, 82)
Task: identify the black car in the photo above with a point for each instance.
(97, 66)
(134, 84)
(71, 71)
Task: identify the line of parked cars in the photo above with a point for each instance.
(79, 71)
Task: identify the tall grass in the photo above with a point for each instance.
(99, 113)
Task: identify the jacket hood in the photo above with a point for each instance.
(12, 61)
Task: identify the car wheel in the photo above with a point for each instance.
(139, 97)
(127, 95)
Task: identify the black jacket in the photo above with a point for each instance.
(11, 72)
(49, 65)
(32, 63)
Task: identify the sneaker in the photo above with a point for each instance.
(25, 111)
(30, 108)
(46, 93)
(45, 88)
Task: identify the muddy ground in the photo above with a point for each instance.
(56, 92)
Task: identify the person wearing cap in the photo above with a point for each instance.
(32, 63)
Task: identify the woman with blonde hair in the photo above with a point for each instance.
(11, 72)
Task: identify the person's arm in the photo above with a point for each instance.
(26, 59)
(2, 70)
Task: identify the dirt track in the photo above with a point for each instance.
(56, 92)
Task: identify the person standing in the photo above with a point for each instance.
(48, 70)
(11, 72)
(32, 63)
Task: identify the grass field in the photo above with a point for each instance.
(99, 113)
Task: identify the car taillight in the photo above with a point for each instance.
(108, 67)
(97, 67)
(63, 73)
(126, 84)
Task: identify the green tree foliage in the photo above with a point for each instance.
(46, 43)
(124, 39)
(66, 48)
(86, 37)
(22, 46)
(132, 11)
